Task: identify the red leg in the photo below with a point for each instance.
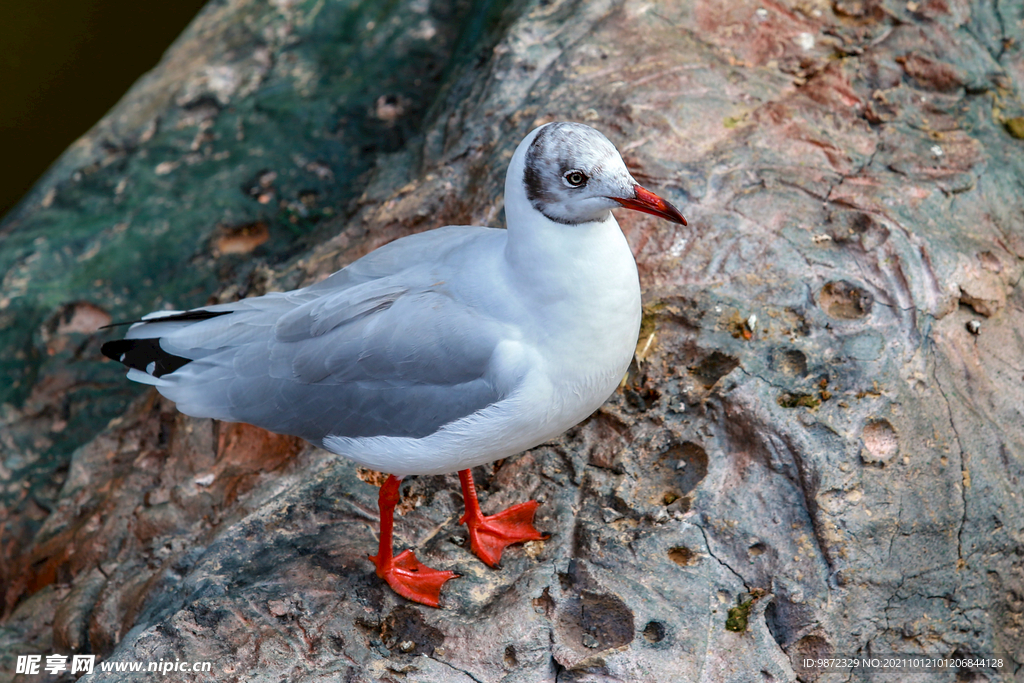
(489, 535)
(409, 577)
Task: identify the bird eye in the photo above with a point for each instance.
(576, 178)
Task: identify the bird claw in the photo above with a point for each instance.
(489, 535)
(412, 579)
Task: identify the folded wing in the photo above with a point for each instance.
(378, 357)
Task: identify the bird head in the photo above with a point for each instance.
(573, 174)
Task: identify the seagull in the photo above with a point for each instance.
(437, 352)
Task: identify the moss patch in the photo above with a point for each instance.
(788, 400)
(1015, 127)
(738, 617)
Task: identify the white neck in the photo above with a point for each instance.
(581, 266)
(535, 241)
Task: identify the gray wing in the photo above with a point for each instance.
(373, 358)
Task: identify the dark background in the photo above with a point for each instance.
(63, 64)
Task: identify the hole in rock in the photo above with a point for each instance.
(654, 632)
(844, 300)
(683, 556)
(713, 368)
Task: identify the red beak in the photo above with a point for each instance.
(648, 202)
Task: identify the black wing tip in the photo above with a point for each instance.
(111, 349)
(140, 354)
(146, 354)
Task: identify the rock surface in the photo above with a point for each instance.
(819, 449)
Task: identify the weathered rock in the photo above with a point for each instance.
(813, 455)
(220, 166)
